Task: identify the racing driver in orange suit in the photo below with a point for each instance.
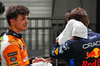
(13, 48)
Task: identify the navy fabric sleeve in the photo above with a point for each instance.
(63, 51)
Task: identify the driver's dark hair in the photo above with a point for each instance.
(14, 11)
(78, 14)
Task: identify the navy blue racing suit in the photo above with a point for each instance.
(79, 51)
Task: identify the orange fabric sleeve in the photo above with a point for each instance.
(13, 56)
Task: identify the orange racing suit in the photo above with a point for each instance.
(13, 50)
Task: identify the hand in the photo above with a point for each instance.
(41, 59)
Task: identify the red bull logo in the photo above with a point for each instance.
(95, 53)
(95, 63)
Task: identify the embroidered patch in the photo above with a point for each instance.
(23, 47)
(25, 59)
(13, 59)
(12, 54)
(14, 63)
(56, 51)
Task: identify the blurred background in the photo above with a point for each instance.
(47, 20)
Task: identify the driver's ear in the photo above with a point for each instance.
(12, 21)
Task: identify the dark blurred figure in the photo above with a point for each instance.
(2, 8)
